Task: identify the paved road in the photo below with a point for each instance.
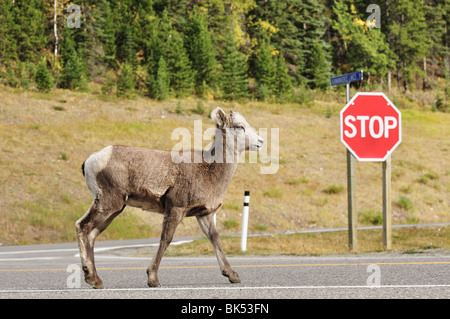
(41, 271)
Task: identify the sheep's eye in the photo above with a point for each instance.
(239, 127)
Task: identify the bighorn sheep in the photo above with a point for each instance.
(150, 179)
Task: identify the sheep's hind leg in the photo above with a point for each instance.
(88, 228)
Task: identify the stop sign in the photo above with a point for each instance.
(370, 126)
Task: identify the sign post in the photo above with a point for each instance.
(351, 164)
(371, 130)
(387, 209)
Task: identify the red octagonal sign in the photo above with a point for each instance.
(371, 126)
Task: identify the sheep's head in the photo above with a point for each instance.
(236, 125)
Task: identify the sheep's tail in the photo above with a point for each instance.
(82, 168)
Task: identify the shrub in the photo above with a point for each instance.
(440, 105)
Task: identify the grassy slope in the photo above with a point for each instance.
(44, 138)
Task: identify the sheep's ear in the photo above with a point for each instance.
(219, 116)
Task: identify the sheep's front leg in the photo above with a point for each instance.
(207, 225)
(170, 223)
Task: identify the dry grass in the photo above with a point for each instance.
(45, 138)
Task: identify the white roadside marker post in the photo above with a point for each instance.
(245, 221)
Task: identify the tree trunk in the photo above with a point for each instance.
(389, 81)
(55, 29)
(387, 39)
(425, 79)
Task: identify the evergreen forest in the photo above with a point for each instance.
(222, 49)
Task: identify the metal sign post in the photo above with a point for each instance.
(387, 207)
(351, 165)
(351, 184)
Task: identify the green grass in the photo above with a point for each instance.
(371, 217)
(333, 189)
(427, 178)
(273, 193)
(404, 203)
(230, 224)
(297, 181)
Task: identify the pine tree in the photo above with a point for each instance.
(435, 14)
(318, 67)
(73, 74)
(264, 69)
(283, 84)
(126, 82)
(315, 48)
(408, 37)
(179, 66)
(233, 79)
(162, 80)
(166, 42)
(106, 29)
(176, 11)
(201, 51)
(43, 78)
(142, 26)
(126, 51)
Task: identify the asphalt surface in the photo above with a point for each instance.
(52, 271)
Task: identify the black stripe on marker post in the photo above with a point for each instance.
(246, 199)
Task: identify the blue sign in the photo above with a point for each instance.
(347, 78)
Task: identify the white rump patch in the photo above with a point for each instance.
(93, 165)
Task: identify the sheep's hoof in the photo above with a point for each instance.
(235, 280)
(154, 284)
(98, 285)
(95, 282)
(233, 277)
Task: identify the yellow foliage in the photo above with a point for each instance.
(360, 23)
(265, 25)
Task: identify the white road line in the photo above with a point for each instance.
(100, 249)
(175, 243)
(29, 258)
(37, 251)
(222, 288)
